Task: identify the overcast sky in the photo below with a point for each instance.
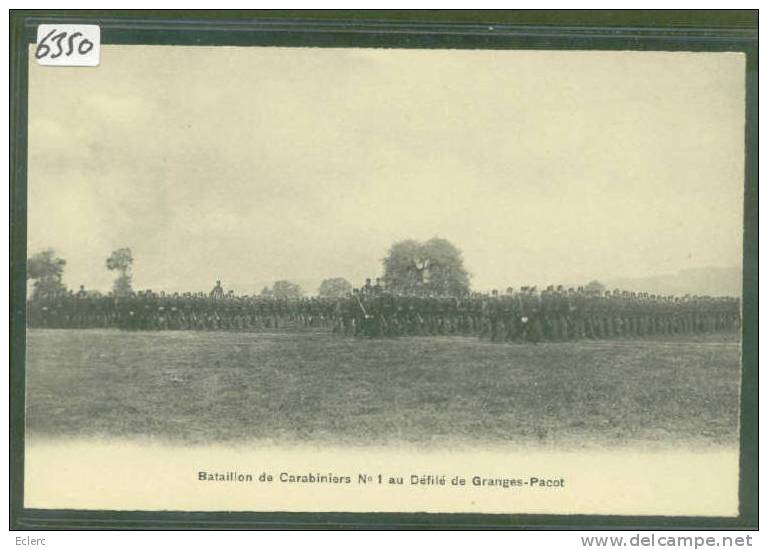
(256, 164)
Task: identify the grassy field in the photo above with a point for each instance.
(200, 387)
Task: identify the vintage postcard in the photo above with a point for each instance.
(385, 280)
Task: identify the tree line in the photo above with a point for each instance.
(431, 268)
(46, 271)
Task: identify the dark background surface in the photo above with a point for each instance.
(747, 19)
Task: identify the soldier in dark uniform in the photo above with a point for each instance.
(511, 316)
(575, 308)
(562, 314)
(361, 315)
(217, 292)
(367, 288)
(533, 330)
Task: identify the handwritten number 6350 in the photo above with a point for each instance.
(43, 48)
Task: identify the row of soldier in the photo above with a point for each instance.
(148, 310)
(524, 315)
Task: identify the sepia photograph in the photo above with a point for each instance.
(307, 279)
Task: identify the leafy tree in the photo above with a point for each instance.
(266, 292)
(121, 261)
(286, 289)
(594, 287)
(432, 267)
(46, 270)
(336, 287)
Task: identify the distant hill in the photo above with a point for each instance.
(711, 281)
